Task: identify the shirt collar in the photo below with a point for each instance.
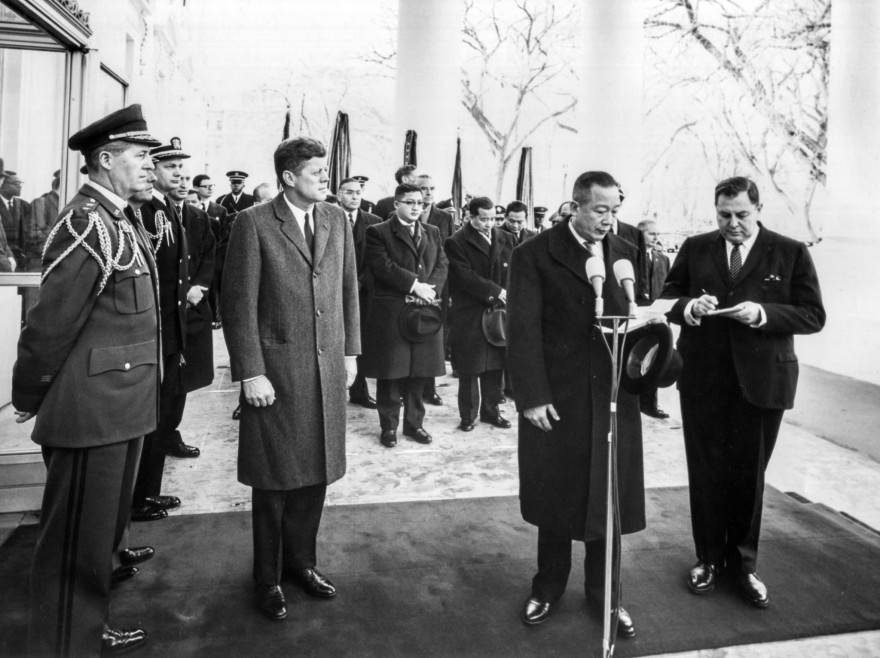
(581, 241)
(299, 214)
(111, 196)
(746, 245)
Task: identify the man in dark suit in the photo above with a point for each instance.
(220, 225)
(561, 375)
(406, 260)
(515, 222)
(15, 217)
(349, 194)
(479, 263)
(291, 325)
(163, 225)
(237, 199)
(385, 206)
(635, 237)
(91, 344)
(743, 291)
(656, 269)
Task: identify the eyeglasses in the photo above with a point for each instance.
(411, 202)
(427, 189)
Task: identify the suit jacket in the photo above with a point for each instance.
(88, 362)
(779, 275)
(384, 207)
(478, 271)
(198, 354)
(396, 263)
(16, 222)
(367, 206)
(556, 355)
(44, 212)
(444, 222)
(657, 267)
(524, 234)
(171, 261)
(636, 238)
(293, 317)
(365, 278)
(245, 201)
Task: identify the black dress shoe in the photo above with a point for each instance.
(625, 627)
(655, 412)
(701, 579)
(432, 398)
(130, 556)
(418, 435)
(122, 573)
(366, 402)
(183, 451)
(497, 421)
(466, 425)
(236, 415)
(163, 502)
(535, 612)
(753, 590)
(147, 513)
(388, 438)
(314, 583)
(271, 602)
(125, 639)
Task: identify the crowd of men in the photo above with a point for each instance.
(315, 298)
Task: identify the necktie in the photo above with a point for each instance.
(351, 218)
(310, 237)
(416, 235)
(735, 262)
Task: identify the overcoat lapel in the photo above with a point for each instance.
(474, 238)
(290, 228)
(763, 245)
(495, 248)
(322, 231)
(566, 251)
(403, 235)
(719, 255)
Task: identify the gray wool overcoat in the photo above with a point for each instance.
(293, 317)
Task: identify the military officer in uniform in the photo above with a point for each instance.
(91, 344)
(237, 199)
(366, 206)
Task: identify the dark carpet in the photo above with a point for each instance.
(448, 578)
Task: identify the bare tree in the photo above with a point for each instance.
(764, 84)
(518, 78)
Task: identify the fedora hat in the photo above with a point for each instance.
(495, 326)
(419, 322)
(649, 359)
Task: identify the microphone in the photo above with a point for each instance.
(623, 272)
(596, 276)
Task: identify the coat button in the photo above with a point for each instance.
(320, 351)
(179, 303)
(137, 272)
(318, 313)
(127, 366)
(179, 281)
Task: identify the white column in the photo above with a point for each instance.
(428, 85)
(853, 129)
(610, 114)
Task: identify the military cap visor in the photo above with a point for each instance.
(236, 175)
(171, 151)
(126, 125)
(360, 179)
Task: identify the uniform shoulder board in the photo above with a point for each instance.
(89, 205)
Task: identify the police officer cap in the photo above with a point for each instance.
(540, 211)
(361, 179)
(500, 211)
(169, 151)
(127, 125)
(236, 175)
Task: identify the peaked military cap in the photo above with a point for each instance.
(236, 174)
(127, 125)
(169, 151)
(361, 179)
(540, 211)
(500, 211)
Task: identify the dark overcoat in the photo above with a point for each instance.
(556, 355)
(396, 263)
(88, 361)
(524, 233)
(657, 266)
(478, 272)
(779, 275)
(245, 201)
(365, 277)
(198, 355)
(293, 317)
(635, 237)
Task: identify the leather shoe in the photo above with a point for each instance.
(753, 590)
(271, 602)
(163, 502)
(314, 583)
(625, 627)
(655, 412)
(147, 513)
(388, 438)
(497, 421)
(432, 398)
(466, 425)
(419, 435)
(131, 556)
(366, 402)
(535, 612)
(122, 573)
(701, 579)
(183, 451)
(236, 415)
(122, 640)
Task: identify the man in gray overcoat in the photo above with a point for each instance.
(561, 374)
(290, 318)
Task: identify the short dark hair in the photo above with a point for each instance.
(736, 185)
(347, 180)
(516, 206)
(581, 193)
(479, 202)
(405, 188)
(114, 148)
(405, 170)
(292, 154)
(188, 192)
(197, 181)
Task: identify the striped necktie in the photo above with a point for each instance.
(735, 262)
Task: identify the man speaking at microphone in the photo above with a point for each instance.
(561, 372)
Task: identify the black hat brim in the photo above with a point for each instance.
(650, 360)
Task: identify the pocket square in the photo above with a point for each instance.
(773, 277)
